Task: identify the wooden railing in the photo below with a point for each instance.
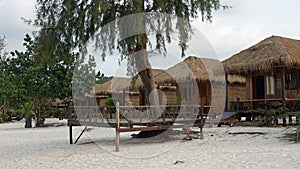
(138, 114)
(292, 105)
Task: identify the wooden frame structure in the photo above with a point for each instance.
(139, 118)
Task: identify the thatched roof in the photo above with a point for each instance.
(118, 84)
(271, 52)
(192, 68)
(115, 84)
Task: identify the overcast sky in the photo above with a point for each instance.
(232, 30)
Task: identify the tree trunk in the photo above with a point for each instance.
(145, 72)
(28, 122)
(142, 63)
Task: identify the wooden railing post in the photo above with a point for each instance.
(117, 126)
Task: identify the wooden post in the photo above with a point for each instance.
(283, 88)
(202, 121)
(297, 135)
(70, 134)
(226, 91)
(118, 127)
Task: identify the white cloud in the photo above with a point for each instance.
(12, 26)
(248, 22)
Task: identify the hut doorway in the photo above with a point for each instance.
(258, 87)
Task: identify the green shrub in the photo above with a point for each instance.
(109, 102)
(3, 118)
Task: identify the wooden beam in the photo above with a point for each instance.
(152, 128)
(80, 134)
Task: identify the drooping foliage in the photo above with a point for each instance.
(75, 22)
(110, 23)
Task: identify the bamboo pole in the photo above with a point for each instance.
(118, 127)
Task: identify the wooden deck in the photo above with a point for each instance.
(139, 118)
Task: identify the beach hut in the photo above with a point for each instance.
(167, 93)
(268, 71)
(193, 75)
(117, 88)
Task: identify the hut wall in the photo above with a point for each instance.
(134, 99)
(236, 91)
(205, 93)
(171, 97)
(278, 86)
(291, 93)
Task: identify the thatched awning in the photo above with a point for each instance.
(272, 52)
(235, 78)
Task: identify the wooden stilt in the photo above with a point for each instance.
(118, 127)
(202, 122)
(70, 134)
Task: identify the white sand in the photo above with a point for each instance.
(49, 148)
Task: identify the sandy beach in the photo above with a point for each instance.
(49, 147)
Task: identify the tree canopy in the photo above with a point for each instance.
(75, 22)
(24, 80)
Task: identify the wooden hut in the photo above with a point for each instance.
(167, 93)
(117, 88)
(198, 81)
(271, 71)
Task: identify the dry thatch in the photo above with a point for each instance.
(116, 84)
(192, 68)
(267, 54)
(235, 78)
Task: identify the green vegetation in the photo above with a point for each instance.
(269, 115)
(30, 87)
(3, 118)
(109, 102)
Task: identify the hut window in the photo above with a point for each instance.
(270, 85)
(291, 80)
